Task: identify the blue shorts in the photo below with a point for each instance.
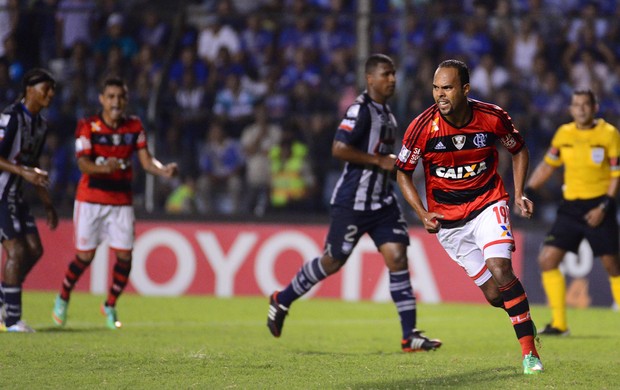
(15, 220)
(348, 226)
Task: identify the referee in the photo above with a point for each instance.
(588, 148)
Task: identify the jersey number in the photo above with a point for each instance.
(350, 236)
(501, 213)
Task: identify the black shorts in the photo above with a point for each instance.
(15, 220)
(348, 226)
(570, 228)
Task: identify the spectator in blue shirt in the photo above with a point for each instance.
(115, 36)
(469, 43)
(187, 61)
(220, 182)
(234, 106)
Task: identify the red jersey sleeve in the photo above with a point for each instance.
(508, 135)
(413, 142)
(141, 141)
(83, 144)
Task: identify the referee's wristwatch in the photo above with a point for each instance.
(605, 203)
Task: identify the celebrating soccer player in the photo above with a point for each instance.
(105, 144)
(466, 198)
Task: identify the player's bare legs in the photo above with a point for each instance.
(506, 285)
(492, 294)
(331, 265)
(611, 263)
(395, 256)
(34, 252)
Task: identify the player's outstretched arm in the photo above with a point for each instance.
(541, 174)
(154, 166)
(32, 175)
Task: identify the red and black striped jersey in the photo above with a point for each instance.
(97, 141)
(460, 163)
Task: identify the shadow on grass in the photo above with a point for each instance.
(341, 353)
(573, 337)
(56, 329)
(466, 379)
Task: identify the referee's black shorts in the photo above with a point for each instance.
(570, 228)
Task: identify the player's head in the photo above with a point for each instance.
(38, 87)
(380, 77)
(451, 86)
(113, 99)
(583, 107)
(461, 68)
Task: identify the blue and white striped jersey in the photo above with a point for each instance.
(22, 136)
(370, 127)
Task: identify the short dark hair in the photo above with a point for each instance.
(113, 81)
(588, 92)
(35, 76)
(376, 59)
(460, 66)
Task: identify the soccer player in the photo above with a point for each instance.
(363, 201)
(22, 136)
(467, 202)
(104, 145)
(588, 147)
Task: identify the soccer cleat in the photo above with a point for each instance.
(532, 365)
(2, 327)
(276, 315)
(112, 321)
(20, 327)
(59, 313)
(417, 342)
(552, 331)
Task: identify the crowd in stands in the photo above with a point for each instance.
(252, 91)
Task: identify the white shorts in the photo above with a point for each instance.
(487, 236)
(96, 222)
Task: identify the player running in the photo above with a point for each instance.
(467, 201)
(364, 202)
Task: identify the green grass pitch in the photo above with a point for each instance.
(210, 343)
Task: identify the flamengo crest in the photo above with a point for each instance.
(480, 140)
